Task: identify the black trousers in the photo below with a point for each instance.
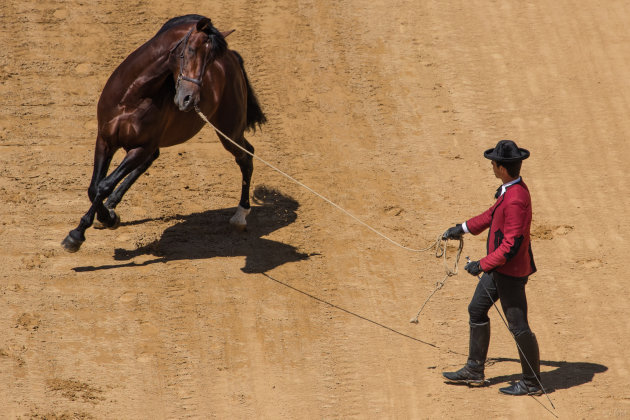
(510, 291)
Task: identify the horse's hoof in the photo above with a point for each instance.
(71, 244)
(239, 228)
(114, 225)
(239, 219)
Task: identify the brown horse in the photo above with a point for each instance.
(145, 106)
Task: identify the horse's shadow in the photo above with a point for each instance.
(208, 235)
(566, 375)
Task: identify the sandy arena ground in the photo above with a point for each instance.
(385, 107)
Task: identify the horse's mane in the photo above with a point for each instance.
(219, 45)
(178, 21)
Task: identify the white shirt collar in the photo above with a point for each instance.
(505, 186)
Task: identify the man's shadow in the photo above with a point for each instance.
(566, 375)
(208, 235)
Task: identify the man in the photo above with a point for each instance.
(505, 269)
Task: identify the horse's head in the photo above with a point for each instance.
(201, 45)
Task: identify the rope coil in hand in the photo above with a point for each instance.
(440, 252)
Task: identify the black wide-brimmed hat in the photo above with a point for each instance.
(506, 151)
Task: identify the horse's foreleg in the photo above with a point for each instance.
(102, 159)
(104, 188)
(245, 162)
(117, 195)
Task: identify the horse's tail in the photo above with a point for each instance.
(255, 114)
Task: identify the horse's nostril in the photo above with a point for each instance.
(186, 100)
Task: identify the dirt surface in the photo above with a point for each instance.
(385, 107)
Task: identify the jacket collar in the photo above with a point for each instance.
(503, 188)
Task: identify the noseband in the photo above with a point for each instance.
(181, 75)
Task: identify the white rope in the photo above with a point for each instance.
(439, 244)
(203, 117)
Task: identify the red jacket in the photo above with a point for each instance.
(509, 220)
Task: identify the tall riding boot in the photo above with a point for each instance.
(473, 372)
(530, 363)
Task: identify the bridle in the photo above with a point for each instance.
(181, 75)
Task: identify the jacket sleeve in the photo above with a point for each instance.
(478, 224)
(515, 213)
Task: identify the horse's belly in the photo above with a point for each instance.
(180, 128)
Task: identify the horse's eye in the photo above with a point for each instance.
(191, 50)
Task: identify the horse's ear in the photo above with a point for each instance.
(204, 25)
(226, 33)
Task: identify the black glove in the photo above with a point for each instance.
(455, 232)
(474, 268)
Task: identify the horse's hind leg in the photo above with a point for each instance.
(104, 188)
(114, 198)
(245, 162)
